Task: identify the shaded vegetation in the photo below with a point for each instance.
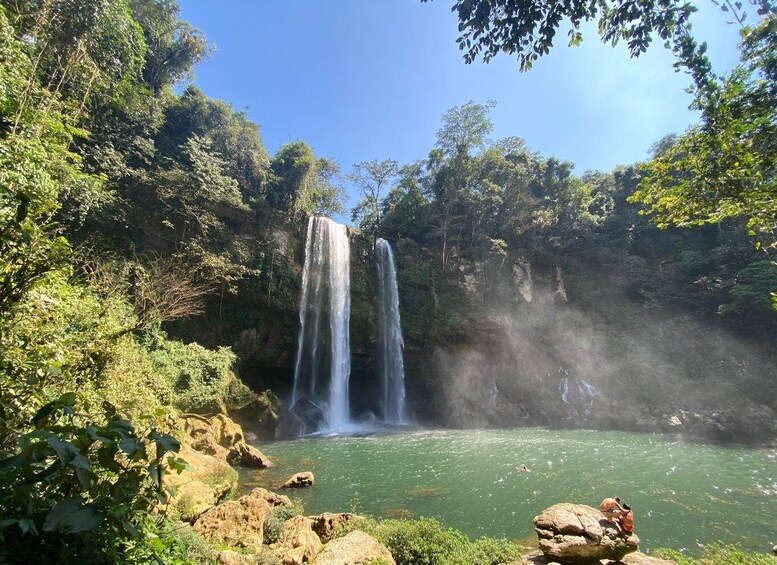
(150, 258)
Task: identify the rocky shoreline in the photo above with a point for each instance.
(265, 527)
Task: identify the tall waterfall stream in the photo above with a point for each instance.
(392, 367)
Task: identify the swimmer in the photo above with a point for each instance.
(523, 469)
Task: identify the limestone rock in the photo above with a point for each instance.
(193, 498)
(299, 480)
(298, 543)
(228, 557)
(357, 548)
(642, 559)
(213, 436)
(272, 498)
(237, 522)
(196, 490)
(578, 534)
(247, 456)
(325, 524)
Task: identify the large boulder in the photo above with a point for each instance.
(299, 480)
(229, 557)
(576, 534)
(247, 456)
(203, 485)
(272, 498)
(237, 522)
(325, 524)
(213, 436)
(298, 543)
(356, 548)
(642, 559)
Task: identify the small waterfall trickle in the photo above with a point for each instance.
(323, 365)
(585, 394)
(392, 367)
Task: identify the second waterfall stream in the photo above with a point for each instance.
(391, 364)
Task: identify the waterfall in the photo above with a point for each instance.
(392, 367)
(323, 365)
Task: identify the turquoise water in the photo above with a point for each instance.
(684, 494)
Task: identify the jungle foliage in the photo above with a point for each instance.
(145, 229)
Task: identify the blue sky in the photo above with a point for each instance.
(369, 79)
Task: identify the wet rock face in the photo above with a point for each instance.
(576, 534)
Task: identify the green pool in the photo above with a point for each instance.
(684, 494)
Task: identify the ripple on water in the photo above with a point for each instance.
(683, 493)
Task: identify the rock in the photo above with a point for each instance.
(298, 543)
(356, 548)
(642, 559)
(237, 522)
(247, 456)
(272, 498)
(196, 490)
(228, 557)
(325, 524)
(193, 498)
(774, 550)
(578, 534)
(304, 479)
(213, 436)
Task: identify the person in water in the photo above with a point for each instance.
(611, 508)
(626, 519)
(523, 469)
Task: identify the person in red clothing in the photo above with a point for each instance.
(626, 519)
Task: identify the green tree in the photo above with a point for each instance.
(301, 183)
(371, 178)
(527, 28)
(405, 207)
(725, 167)
(173, 46)
(82, 49)
(452, 168)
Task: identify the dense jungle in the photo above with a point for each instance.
(152, 252)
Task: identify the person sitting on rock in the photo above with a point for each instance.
(611, 508)
(626, 519)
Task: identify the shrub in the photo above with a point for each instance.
(492, 551)
(274, 524)
(424, 542)
(83, 489)
(200, 378)
(722, 554)
(718, 554)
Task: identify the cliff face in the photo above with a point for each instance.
(520, 339)
(563, 342)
